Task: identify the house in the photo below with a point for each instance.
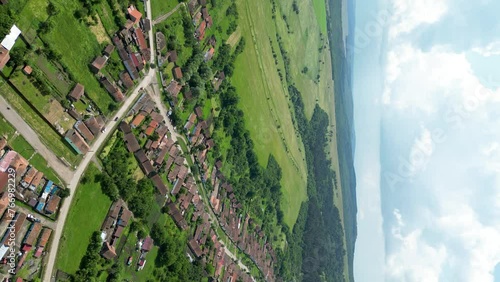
(77, 142)
(132, 71)
(172, 56)
(84, 131)
(141, 41)
(125, 127)
(108, 251)
(177, 72)
(77, 92)
(138, 120)
(139, 61)
(10, 39)
(209, 54)
(200, 32)
(204, 13)
(108, 50)
(209, 21)
(52, 205)
(195, 248)
(98, 64)
(147, 245)
(134, 14)
(4, 57)
(126, 80)
(118, 232)
(131, 142)
(36, 180)
(27, 70)
(199, 112)
(146, 25)
(174, 88)
(32, 234)
(112, 89)
(218, 80)
(74, 114)
(125, 217)
(95, 124)
(160, 186)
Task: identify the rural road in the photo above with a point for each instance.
(165, 16)
(63, 212)
(64, 172)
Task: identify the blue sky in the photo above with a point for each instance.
(427, 121)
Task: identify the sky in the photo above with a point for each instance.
(427, 121)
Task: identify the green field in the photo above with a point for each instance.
(44, 103)
(107, 18)
(78, 47)
(258, 83)
(161, 7)
(88, 210)
(302, 44)
(33, 13)
(320, 12)
(47, 135)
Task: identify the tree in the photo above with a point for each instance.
(52, 9)
(64, 193)
(18, 56)
(6, 21)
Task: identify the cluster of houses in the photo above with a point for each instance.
(83, 131)
(132, 46)
(117, 219)
(223, 201)
(31, 186)
(18, 229)
(112, 228)
(161, 156)
(202, 20)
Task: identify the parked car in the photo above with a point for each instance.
(32, 218)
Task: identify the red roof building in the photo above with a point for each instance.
(134, 14)
(141, 41)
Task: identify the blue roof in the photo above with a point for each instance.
(54, 190)
(48, 187)
(39, 206)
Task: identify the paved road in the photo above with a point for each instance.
(165, 16)
(111, 126)
(81, 169)
(64, 172)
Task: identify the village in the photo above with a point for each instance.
(193, 188)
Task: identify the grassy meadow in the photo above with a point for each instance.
(79, 46)
(261, 91)
(88, 210)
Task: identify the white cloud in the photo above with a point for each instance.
(409, 14)
(492, 49)
(445, 224)
(414, 259)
